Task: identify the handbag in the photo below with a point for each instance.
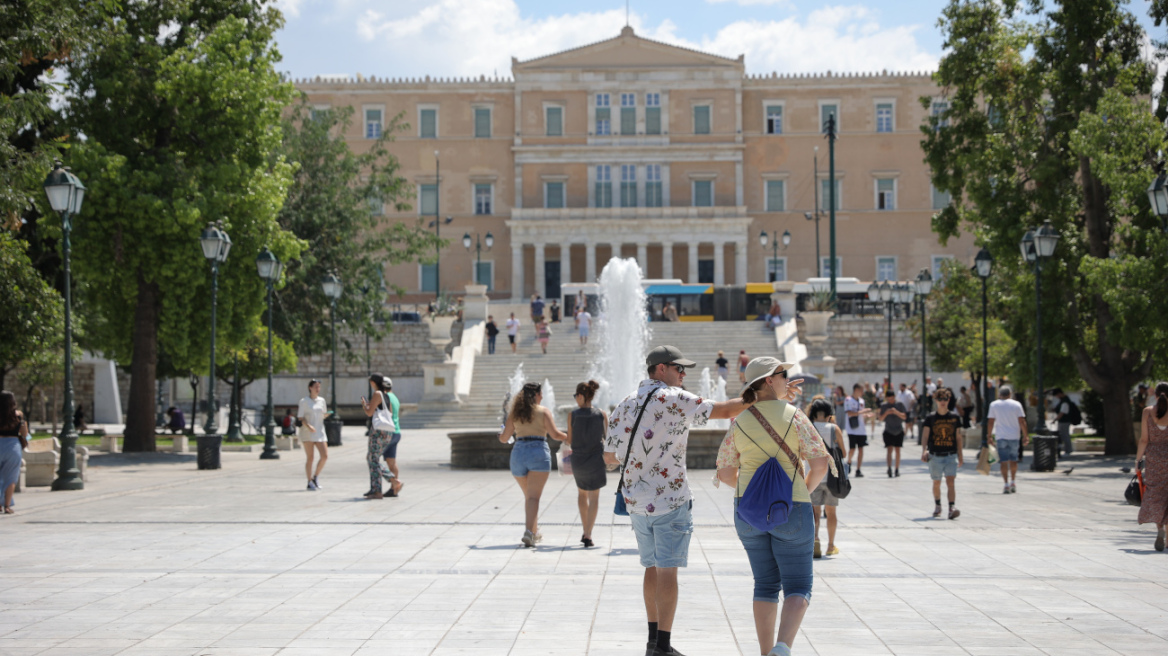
(621, 508)
(839, 486)
(566, 461)
(383, 420)
(1135, 489)
(769, 496)
(854, 422)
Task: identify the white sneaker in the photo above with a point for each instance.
(1013, 488)
(1006, 488)
(780, 649)
(528, 539)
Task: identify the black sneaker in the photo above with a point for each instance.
(316, 483)
(312, 486)
(859, 474)
(898, 473)
(672, 651)
(650, 649)
(890, 472)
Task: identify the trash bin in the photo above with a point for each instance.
(1045, 453)
(332, 430)
(209, 451)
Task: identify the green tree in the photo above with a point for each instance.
(33, 320)
(1049, 120)
(252, 357)
(335, 205)
(954, 335)
(181, 106)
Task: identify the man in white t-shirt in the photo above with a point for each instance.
(857, 435)
(584, 325)
(906, 398)
(513, 332)
(930, 387)
(1007, 427)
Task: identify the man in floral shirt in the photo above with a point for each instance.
(654, 481)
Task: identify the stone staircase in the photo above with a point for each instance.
(567, 364)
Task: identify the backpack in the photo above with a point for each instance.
(1074, 415)
(768, 498)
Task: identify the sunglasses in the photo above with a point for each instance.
(679, 367)
(943, 397)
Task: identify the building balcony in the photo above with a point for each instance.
(628, 213)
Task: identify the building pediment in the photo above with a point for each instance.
(627, 51)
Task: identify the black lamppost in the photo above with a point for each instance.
(65, 193)
(774, 239)
(269, 268)
(478, 247)
(332, 289)
(809, 216)
(983, 265)
(924, 285)
(234, 429)
(831, 137)
(216, 244)
(1038, 245)
(194, 381)
(437, 225)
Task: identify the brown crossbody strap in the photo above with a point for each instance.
(766, 425)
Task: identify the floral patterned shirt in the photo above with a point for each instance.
(655, 481)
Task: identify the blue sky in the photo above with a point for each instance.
(478, 37)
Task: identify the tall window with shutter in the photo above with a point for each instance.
(553, 195)
(603, 186)
(603, 115)
(652, 113)
(482, 118)
(825, 191)
(428, 124)
(628, 185)
(628, 115)
(774, 119)
(482, 198)
(826, 110)
(701, 119)
(653, 192)
(703, 193)
(427, 199)
(885, 268)
(884, 117)
(554, 121)
(885, 194)
(775, 196)
(941, 199)
(372, 123)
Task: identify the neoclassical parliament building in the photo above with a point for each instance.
(634, 148)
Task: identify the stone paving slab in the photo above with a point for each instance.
(157, 558)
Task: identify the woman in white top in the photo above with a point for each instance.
(821, 497)
(311, 414)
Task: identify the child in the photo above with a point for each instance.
(942, 438)
(893, 414)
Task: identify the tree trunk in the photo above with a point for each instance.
(1117, 423)
(143, 368)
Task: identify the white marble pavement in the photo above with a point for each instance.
(157, 558)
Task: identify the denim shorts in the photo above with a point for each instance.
(1007, 450)
(391, 448)
(780, 559)
(530, 456)
(663, 540)
(940, 466)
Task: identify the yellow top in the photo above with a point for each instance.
(740, 451)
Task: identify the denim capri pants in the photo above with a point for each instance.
(530, 455)
(781, 558)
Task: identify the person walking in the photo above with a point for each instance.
(871, 401)
(965, 405)
(13, 440)
(780, 559)
(79, 419)
(584, 325)
(311, 412)
(390, 473)
(513, 332)
(942, 438)
(531, 459)
(669, 313)
(536, 308)
(492, 333)
(1063, 409)
(837, 404)
(823, 502)
(382, 431)
(723, 365)
(554, 310)
(543, 332)
(894, 415)
(906, 398)
(1153, 450)
(587, 427)
(743, 360)
(649, 448)
(1006, 427)
(857, 436)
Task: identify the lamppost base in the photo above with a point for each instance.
(68, 475)
(270, 452)
(70, 480)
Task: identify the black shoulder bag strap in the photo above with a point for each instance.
(633, 436)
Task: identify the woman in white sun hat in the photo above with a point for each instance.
(780, 559)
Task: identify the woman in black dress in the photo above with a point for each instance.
(586, 430)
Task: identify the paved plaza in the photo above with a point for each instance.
(157, 558)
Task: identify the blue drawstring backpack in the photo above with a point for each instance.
(768, 498)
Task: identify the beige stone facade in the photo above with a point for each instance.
(696, 159)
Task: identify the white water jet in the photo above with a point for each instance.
(623, 335)
(549, 397)
(717, 394)
(515, 384)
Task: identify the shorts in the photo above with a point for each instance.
(857, 440)
(530, 456)
(663, 540)
(780, 559)
(511, 338)
(942, 466)
(722, 371)
(391, 448)
(584, 330)
(1008, 450)
(822, 496)
(893, 439)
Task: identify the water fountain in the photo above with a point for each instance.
(714, 389)
(622, 335)
(549, 400)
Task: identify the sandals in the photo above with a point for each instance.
(586, 540)
(371, 494)
(9, 511)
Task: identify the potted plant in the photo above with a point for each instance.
(817, 309)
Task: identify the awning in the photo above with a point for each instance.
(677, 290)
(760, 288)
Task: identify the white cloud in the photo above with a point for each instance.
(477, 37)
(749, 3)
(291, 8)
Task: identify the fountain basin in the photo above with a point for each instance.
(481, 449)
(702, 449)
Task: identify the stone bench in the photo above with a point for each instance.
(43, 457)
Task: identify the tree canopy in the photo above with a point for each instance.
(33, 319)
(1048, 118)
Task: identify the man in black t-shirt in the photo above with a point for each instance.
(893, 414)
(492, 333)
(942, 438)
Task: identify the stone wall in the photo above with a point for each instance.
(400, 353)
(48, 399)
(860, 343)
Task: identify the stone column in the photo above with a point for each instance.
(566, 263)
(643, 259)
(667, 259)
(740, 262)
(719, 263)
(590, 262)
(693, 263)
(540, 273)
(517, 271)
